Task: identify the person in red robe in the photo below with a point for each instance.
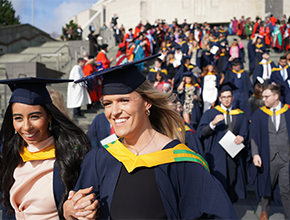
(88, 69)
(128, 38)
(102, 57)
(138, 29)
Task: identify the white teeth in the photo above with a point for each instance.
(29, 135)
(117, 121)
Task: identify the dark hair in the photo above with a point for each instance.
(80, 60)
(283, 58)
(71, 145)
(273, 88)
(160, 74)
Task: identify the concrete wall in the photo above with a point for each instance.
(25, 69)
(15, 38)
(77, 47)
(212, 11)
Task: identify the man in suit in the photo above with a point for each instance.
(214, 124)
(270, 132)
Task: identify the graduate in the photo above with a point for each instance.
(264, 69)
(186, 60)
(212, 127)
(255, 50)
(157, 67)
(269, 135)
(41, 152)
(102, 57)
(183, 44)
(279, 75)
(256, 99)
(137, 176)
(241, 79)
(189, 93)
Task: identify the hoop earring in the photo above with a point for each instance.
(49, 126)
(147, 112)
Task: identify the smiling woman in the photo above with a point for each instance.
(41, 153)
(148, 173)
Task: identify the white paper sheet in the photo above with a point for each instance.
(227, 142)
(214, 49)
(109, 139)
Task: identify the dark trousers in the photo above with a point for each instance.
(77, 111)
(279, 171)
(232, 165)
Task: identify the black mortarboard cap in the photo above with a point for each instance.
(227, 86)
(186, 57)
(103, 46)
(266, 51)
(187, 73)
(117, 80)
(31, 90)
(170, 52)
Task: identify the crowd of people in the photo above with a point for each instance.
(180, 140)
(215, 93)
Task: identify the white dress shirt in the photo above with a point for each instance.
(225, 116)
(278, 117)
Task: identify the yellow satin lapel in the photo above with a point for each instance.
(241, 71)
(265, 63)
(281, 111)
(44, 154)
(177, 154)
(232, 112)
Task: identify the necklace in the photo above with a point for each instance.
(138, 151)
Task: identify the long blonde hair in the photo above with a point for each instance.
(162, 117)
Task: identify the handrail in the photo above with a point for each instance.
(39, 54)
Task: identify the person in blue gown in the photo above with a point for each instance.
(213, 126)
(148, 173)
(269, 136)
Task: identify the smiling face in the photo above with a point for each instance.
(226, 98)
(31, 122)
(126, 113)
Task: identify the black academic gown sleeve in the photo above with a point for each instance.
(98, 130)
(192, 141)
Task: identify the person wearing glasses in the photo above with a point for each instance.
(269, 135)
(213, 125)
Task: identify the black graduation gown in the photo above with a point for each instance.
(258, 71)
(277, 78)
(187, 189)
(253, 55)
(259, 132)
(215, 155)
(98, 130)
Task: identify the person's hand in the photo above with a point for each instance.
(81, 205)
(195, 97)
(155, 84)
(257, 160)
(231, 59)
(217, 119)
(112, 59)
(183, 79)
(239, 139)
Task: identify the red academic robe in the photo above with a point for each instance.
(94, 95)
(103, 59)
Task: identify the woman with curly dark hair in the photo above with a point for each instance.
(41, 152)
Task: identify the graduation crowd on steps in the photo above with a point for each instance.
(214, 93)
(184, 108)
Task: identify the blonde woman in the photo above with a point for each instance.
(148, 173)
